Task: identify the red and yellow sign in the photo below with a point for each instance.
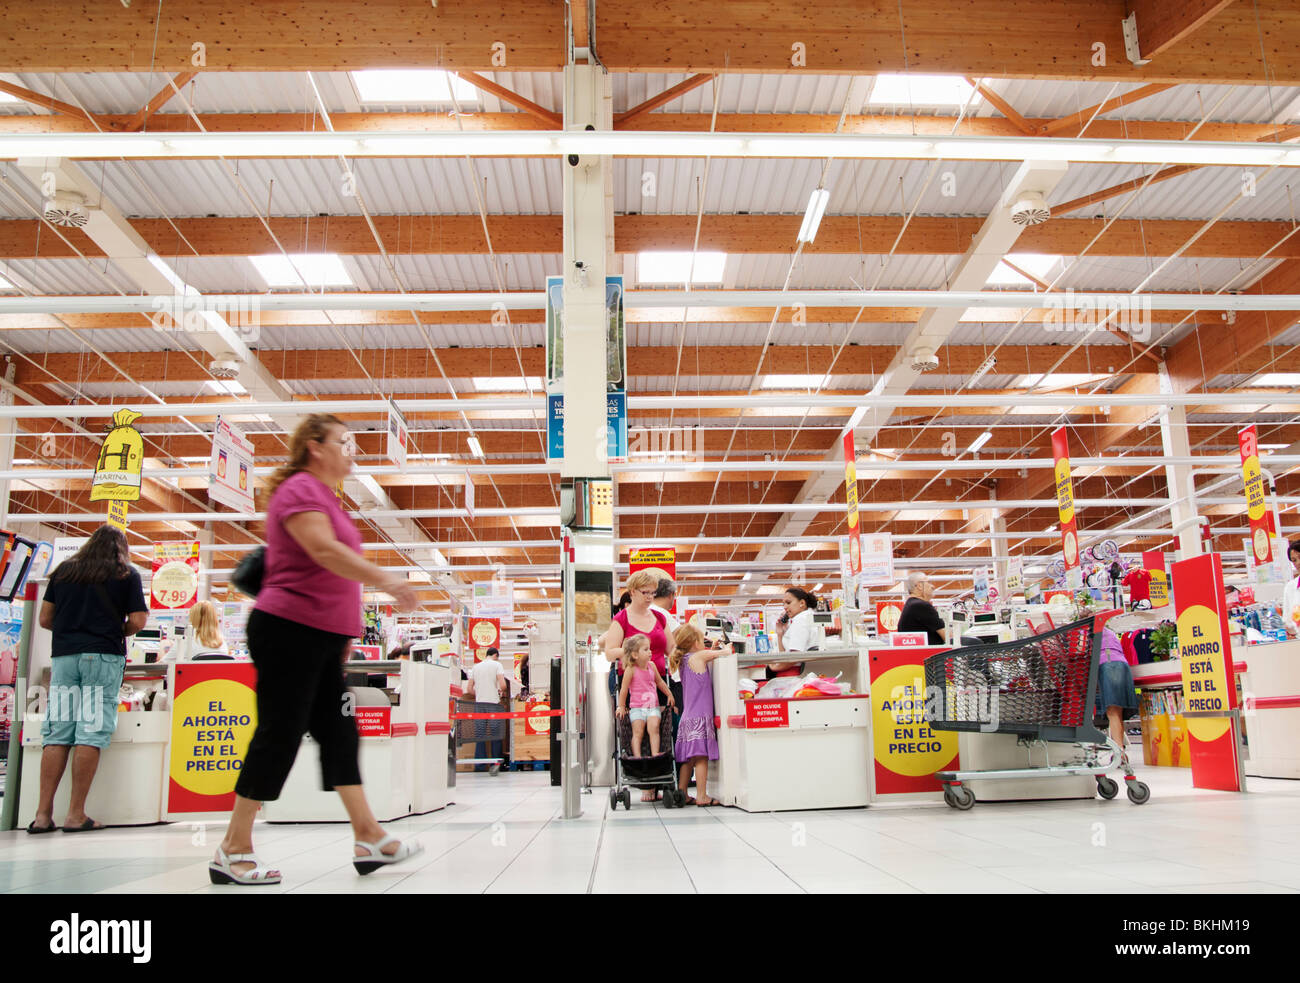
(1256, 505)
(1209, 684)
(175, 582)
(1065, 499)
(214, 714)
(660, 560)
(851, 503)
(1153, 562)
(907, 750)
(537, 725)
(117, 512)
(762, 715)
(484, 633)
(887, 615)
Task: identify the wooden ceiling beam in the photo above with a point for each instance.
(1002, 106)
(45, 102)
(1081, 119)
(164, 96)
(662, 99)
(548, 118)
(732, 234)
(1163, 23)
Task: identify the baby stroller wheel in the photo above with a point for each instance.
(670, 800)
(626, 796)
(1107, 788)
(1138, 792)
(494, 769)
(679, 798)
(613, 799)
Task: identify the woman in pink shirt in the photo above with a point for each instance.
(308, 611)
(640, 617)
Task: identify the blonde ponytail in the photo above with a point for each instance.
(685, 641)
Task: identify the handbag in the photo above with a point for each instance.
(247, 578)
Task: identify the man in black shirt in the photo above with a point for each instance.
(918, 613)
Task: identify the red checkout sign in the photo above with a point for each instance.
(761, 714)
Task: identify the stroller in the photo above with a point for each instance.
(647, 773)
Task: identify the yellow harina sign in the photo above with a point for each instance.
(117, 473)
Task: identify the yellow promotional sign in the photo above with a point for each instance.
(1203, 653)
(214, 714)
(117, 473)
(905, 743)
(117, 511)
(1159, 589)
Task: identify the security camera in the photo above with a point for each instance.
(573, 160)
(579, 264)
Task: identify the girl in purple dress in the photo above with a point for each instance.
(697, 740)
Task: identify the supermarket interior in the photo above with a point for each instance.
(596, 447)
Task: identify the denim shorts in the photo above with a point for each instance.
(644, 713)
(1115, 688)
(82, 704)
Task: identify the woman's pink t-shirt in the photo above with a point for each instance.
(296, 587)
(658, 638)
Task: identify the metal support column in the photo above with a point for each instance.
(8, 442)
(1178, 477)
(998, 526)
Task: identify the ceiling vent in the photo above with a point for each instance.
(67, 209)
(924, 360)
(1030, 208)
(225, 366)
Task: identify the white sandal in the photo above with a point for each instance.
(221, 871)
(377, 858)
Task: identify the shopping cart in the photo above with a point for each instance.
(1041, 689)
(477, 731)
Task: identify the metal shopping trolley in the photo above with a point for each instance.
(1042, 689)
(477, 731)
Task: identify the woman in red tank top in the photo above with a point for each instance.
(640, 617)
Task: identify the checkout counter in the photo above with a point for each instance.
(183, 727)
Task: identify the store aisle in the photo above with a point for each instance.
(505, 835)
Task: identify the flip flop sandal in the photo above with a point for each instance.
(221, 870)
(690, 800)
(711, 802)
(38, 830)
(377, 858)
(89, 826)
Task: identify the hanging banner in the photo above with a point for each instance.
(1209, 683)
(483, 633)
(851, 503)
(615, 370)
(494, 599)
(117, 472)
(1065, 506)
(1256, 505)
(1016, 575)
(214, 714)
(175, 582)
(398, 437)
(117, 514)
(877, 560)
(230, 472)
(980, 584)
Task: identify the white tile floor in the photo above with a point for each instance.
(505, 834)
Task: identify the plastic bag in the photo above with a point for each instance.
(821, 684)
(747, 688)
(781, 688)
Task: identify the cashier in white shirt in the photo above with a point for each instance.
(489, 679)
(796, 635)
(1291, 595)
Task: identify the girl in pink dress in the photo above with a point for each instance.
(641, 683)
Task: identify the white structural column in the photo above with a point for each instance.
(1178, 477)
(8, 439)
(588, 256)
(588, 253)
(998, 527)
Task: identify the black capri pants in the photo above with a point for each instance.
(300, 690)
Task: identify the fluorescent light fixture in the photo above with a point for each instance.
(921, 90)
(1280, 379)
(676, 267)
(745, 579)
(1035, 264)
(302, 270)
(1051, 528)
(792, 381)
(818, 587)
(987, 366)
(979, 441)
(224, 387)
(1273, 447)
(412, 86)
(810, 547)
(506, 384)
(812, 216)
(1064, 380)
(475, 447)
